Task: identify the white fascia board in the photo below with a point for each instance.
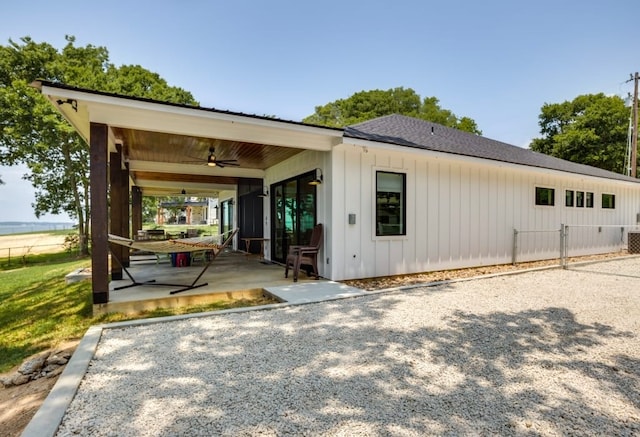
(151, 116)
(480, 161)
(78, 119)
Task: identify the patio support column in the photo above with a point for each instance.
(99, 213)
(136, 210)
(116, 213)
(126, 210)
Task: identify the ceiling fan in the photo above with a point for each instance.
(212, 161)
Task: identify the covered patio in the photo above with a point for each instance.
(140, 147)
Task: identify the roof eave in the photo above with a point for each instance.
(138, 113)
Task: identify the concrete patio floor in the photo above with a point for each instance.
(231, 276)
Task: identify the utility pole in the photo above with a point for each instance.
(634, 132)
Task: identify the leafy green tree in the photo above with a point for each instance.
(591, 129)
(149, 208)
(32, 132)
(367, 105)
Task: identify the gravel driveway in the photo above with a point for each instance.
(552, 352)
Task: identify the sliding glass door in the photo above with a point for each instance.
(293, 210)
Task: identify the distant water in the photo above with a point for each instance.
(22, 227)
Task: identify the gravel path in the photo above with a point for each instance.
(542, 353)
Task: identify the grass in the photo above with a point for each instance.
(38, 310)
(176, 229)
(18, 262)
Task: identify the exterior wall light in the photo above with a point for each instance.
(317, 179)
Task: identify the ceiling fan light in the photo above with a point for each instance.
(211, 163)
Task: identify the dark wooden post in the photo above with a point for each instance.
(99, 213)
(116, 213)
(136, 210)
(126, 210)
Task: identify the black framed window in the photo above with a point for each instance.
(589, 200)
(391, 203)
(580, 199)
(568, 198)
(608, 201)
(545, 196)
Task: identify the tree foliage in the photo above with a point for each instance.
(367, 105)
(591, 129)
(33, 133)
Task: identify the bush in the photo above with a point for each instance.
(71, 242)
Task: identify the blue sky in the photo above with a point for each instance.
(496, 61)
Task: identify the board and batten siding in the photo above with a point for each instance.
(461, 212)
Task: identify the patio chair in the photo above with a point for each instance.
(305, 255)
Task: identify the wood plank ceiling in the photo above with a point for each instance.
(188, 156)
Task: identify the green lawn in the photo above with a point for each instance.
(176, 229)
(38, 310)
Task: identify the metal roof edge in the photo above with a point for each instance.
(40, 83)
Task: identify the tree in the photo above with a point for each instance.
(367, 105)
(34, 133)
(591, 129)
(150, 208)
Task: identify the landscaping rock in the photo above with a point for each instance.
(43, 365)
(57, 360)
(6, 381)
(19, 379)
(55, 372)
(34, 364)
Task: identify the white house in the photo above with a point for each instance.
(395, 195)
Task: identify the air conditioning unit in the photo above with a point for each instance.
(634, 242)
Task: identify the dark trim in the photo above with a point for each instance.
(136, 209)
(99, 213)
(402, 204)
(541, 200)
(273, 231)
(125, 211)
(610, 196)
(115, 212)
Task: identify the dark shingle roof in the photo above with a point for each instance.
(420, 134)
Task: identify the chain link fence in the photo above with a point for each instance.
(570, 241)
